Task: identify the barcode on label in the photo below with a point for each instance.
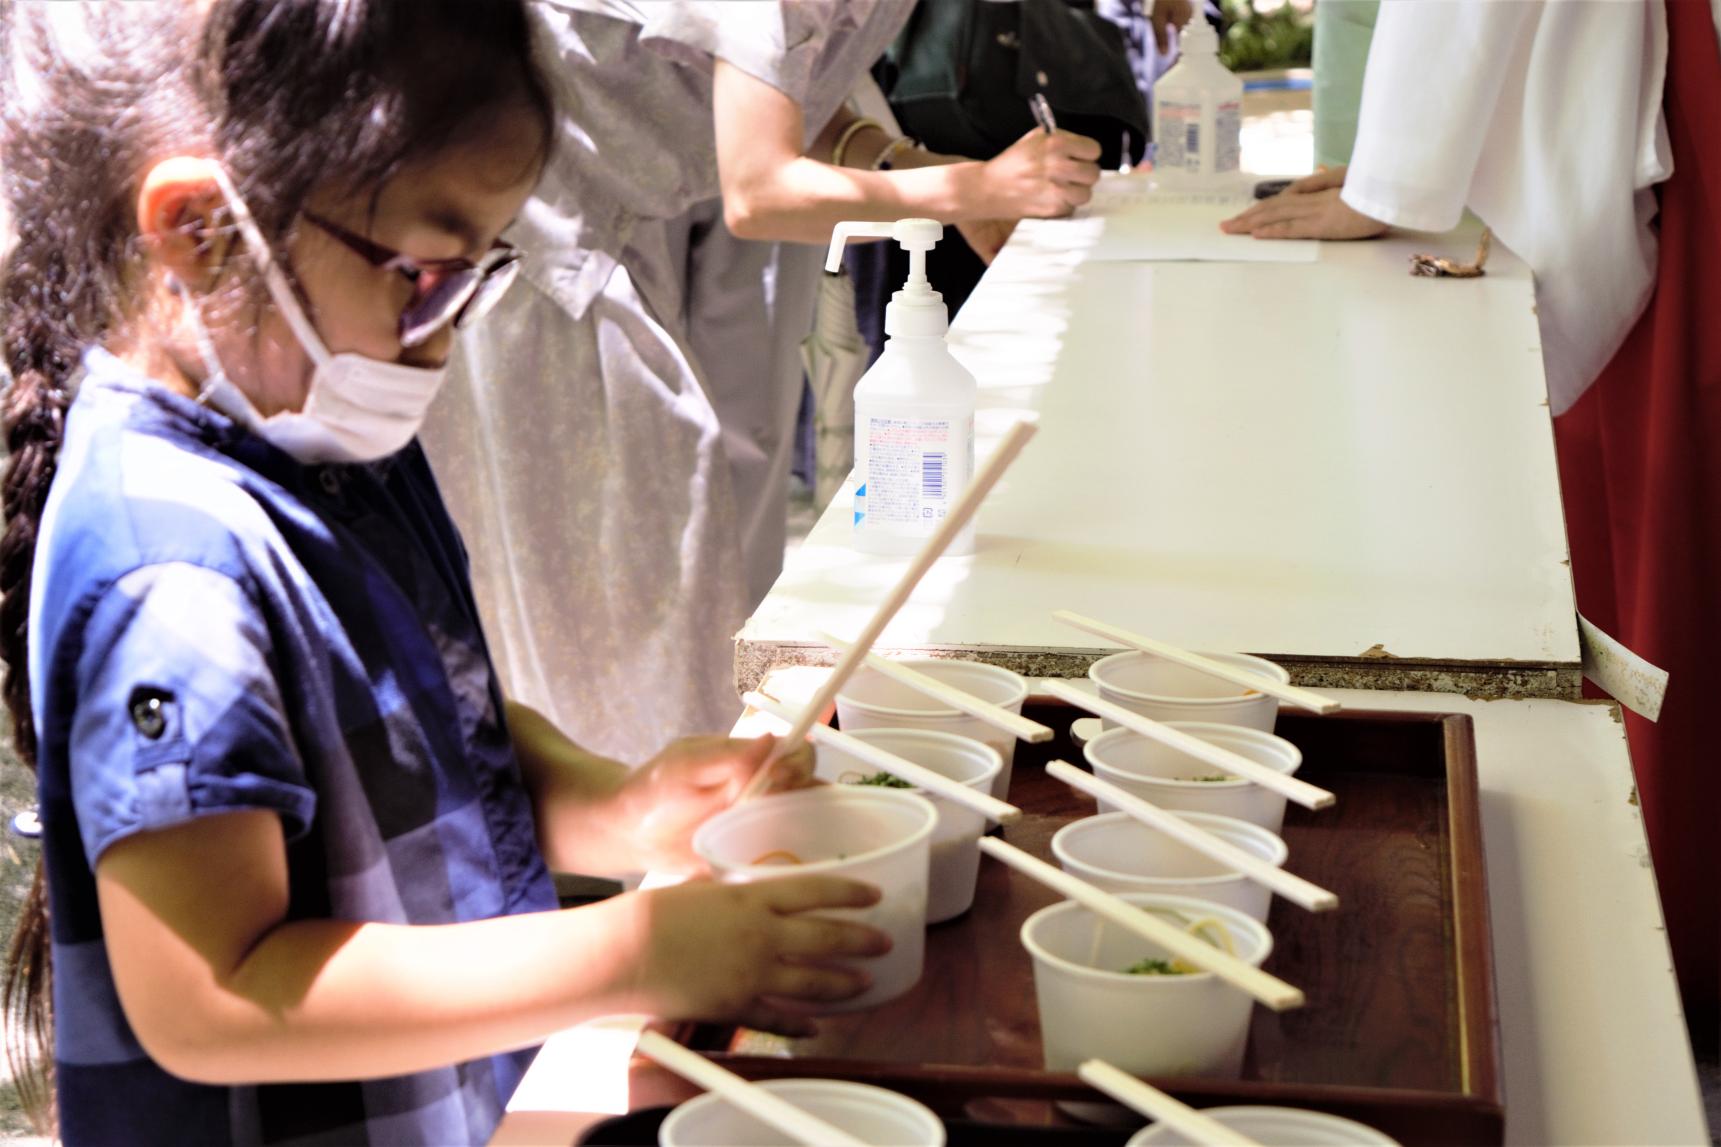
(932, 476)
(1192, 146)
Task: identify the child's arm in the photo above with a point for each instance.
(596, 816)
(565, 783)
(219, 988)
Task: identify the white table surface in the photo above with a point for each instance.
(1306, 461)
(1592, 1036)
(1592, 1039)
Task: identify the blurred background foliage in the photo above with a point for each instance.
(1262, 35)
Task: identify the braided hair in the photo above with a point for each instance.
(293, 96)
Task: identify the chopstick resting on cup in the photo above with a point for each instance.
(996, 716)
(1240, 974)
(801, 1126)
(1160, 1107)
(1302, 698)
(1294, 888)
(985, 804)
(966, 506)
(1302, 792)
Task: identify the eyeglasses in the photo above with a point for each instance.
(444, 291)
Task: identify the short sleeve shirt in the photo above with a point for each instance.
(216, 627)
(632, 86)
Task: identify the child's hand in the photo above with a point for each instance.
(749, 953)
(658, 807)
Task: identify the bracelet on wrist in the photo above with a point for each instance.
(886, 159)
(839, 150)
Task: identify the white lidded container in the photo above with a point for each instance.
(914, 408)
(1197, 116)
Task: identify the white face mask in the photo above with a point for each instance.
(357, 409)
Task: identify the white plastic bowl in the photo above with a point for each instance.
(955, 851)
(1189, 1025)
(1167, 691)
(880, 836)
(1274, 1127)
(1160, 773)
(873, 701)
(871, 1114)
(1118, 853)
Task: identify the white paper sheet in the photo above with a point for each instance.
(1130, 221)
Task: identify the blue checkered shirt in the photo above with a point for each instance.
(217, 627)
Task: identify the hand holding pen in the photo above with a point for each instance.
(1043, 113)
(1045, 174)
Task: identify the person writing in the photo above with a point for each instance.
(615, 441)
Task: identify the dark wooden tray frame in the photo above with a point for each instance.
(1471, 1112)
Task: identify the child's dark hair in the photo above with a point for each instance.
(291, 96)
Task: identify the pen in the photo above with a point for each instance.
(1043, 113)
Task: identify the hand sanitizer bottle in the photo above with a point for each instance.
(1197, 116)
(914, 408)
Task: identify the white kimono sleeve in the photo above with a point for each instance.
(1544, 118)
(1436, 73)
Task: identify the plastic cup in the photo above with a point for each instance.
(1165, 775)
(1275, 1126)
(1167, 691)
(955, 840)
(873, 701)
(1118, 853)
(880, 836)
(870, 1114)
(1189, 1025)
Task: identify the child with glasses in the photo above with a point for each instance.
(297, 843)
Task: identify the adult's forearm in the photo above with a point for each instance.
(801, 200)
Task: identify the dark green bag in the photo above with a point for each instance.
(965, 69)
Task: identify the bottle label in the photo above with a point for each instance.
(1227, 137)
(1177, 142)
(913, 471)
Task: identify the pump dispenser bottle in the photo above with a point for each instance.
(1197, 116)
(914, 408)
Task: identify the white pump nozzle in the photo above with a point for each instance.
(916, 309)
(917, 237)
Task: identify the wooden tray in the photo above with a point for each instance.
(639, 1129)
(1400, 1029)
